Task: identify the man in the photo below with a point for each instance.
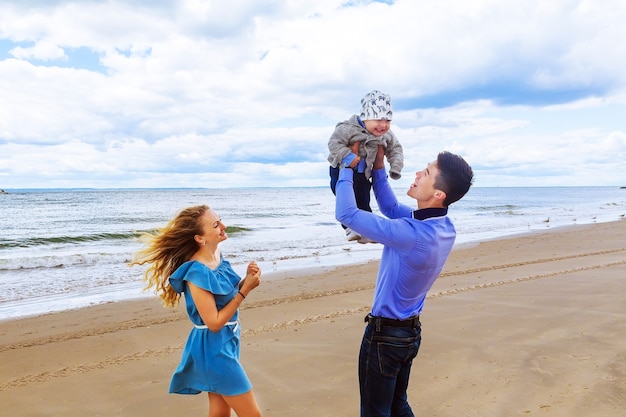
(416, 246)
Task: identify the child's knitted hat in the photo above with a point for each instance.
(376, 106)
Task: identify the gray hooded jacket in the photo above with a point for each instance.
(350, 131)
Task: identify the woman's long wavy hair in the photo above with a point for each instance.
(167, 249)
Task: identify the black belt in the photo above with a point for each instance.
(413, 322)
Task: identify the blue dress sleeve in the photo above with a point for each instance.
(201, 276)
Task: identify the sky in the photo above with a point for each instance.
(216, 94)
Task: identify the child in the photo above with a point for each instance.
(354, 143)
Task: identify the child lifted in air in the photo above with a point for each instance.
(354, 144)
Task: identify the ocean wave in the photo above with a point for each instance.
(63, 261)
(271, 214)
(497, 208)
(66, 239)
(92, 237)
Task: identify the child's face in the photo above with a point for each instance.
(377, 127)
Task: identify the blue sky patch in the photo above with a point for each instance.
(79, 58)
(6, 46)
(503, 94)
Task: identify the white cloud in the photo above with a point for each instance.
(207, 93)
(41, 51)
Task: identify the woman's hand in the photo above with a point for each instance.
(252, 279)
(253, 268)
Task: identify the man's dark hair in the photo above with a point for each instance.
(455, 177)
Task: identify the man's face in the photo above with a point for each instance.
(423, 188)
(377, 127)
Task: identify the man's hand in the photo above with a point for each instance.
(379, 162)
(355, 150)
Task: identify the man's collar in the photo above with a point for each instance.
(426, 213)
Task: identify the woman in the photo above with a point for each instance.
(184, 258)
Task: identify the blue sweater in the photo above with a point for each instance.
(416, 244)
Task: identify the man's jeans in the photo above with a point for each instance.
(385, 361)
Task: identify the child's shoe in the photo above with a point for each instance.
(352, 235)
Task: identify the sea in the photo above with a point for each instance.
(69, 248)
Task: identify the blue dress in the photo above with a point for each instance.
(210, 360)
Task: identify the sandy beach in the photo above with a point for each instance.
(533, 325)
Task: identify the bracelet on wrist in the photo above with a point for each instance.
(243, 296)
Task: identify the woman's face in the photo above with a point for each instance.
(214, 231)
